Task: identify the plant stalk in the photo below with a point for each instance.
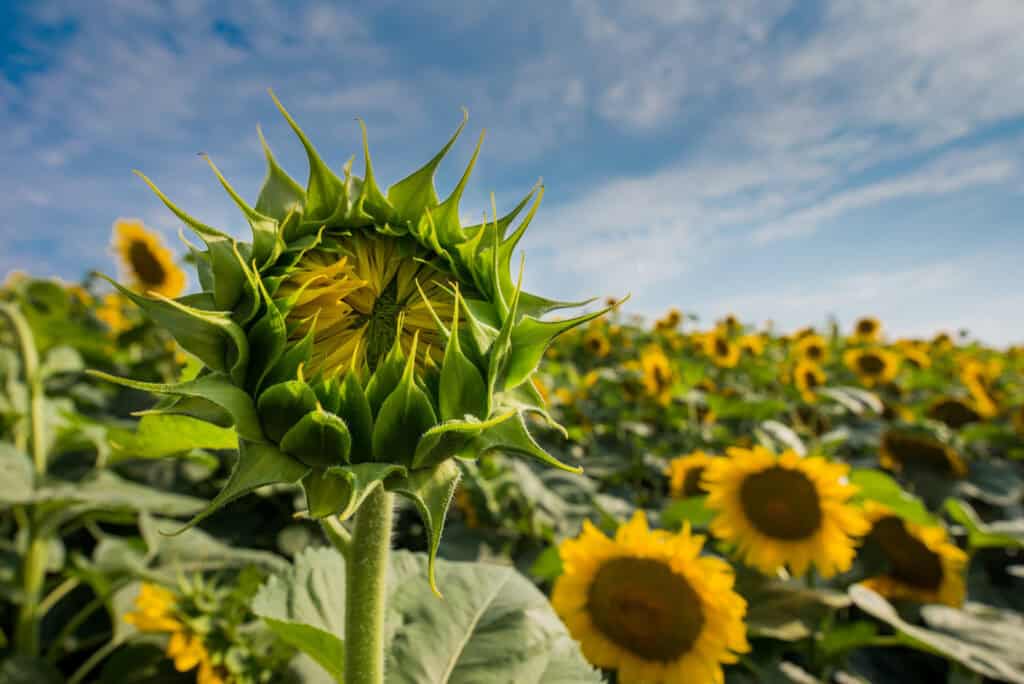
(33, 571)
(366, 576)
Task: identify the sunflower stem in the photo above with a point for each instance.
(366, 576)
(33, 569)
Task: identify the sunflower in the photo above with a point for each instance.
(917, 357)
(112, 312)
(867, 329)
(685, 474)
(148, 265)
(155, 612)
(899, 449)
(952, 411)
(596, 343)
(721, 350)
(669, 321)
(658, 375)
(647, 604)
(943, 342)
(353, 299)
(923, 565)
(872, 365)
(752, 344)
(784, 510)
(812, 347)
(729, 324)
(808, 376)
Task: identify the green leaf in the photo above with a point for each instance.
(106, 491)
(258, 465)
(548, 565)
(267, 244)
(158, 436)
(215, 388)
(354, 408)
(691, 509)
(493, 625)
(1000, 658)
(386, 376)
(463, 391)
(877, 486)
(197, 551)
(979, 536)
(267, 340)
(280, 194)
(530, 338)
(415, 193)
(212, 336)
(283, 405)
(512, 435)
(404, 417)
(446, 440)
(21, 669)
(340, 490)
(305, 607)
(320, 440)
(16, 478)
(786, 611)
(431, 491)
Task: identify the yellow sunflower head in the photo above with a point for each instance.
(146, 263)
(670, 321)
(154, 610)
(812, 347)
(728, 325)
(658, 376)
(922, 565)
(596, 342)
(954, 412)
(721, 350)
(112, 312)
(685, 473)
(364, 338)
(943, 342)
(784, 510)
(872, 365)
(901, 449)
(808, 377)
(752, 344)
(647, 604)
(867, 329)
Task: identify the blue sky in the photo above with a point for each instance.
(780, 160)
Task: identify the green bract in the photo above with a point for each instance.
(362, 339)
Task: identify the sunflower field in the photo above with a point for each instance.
(359, 452)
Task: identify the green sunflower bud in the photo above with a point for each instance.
(417, 342)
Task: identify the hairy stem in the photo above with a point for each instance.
(366, 576)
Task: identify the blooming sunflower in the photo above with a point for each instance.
(954, 412)
(596, 342)
(112, 312)
(647, 604)
(658, 376)
(900, 449)
(155, 612)
(752, 344)
(685, 473)
(812, 347)
(721, 350)
(784, 510)
(867, 329)
(669, 321)
(872, 365)
(808, 376)
(923, 565)
(147, 264)
(729, 324)
(943, 342)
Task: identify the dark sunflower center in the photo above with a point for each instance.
(914, 451)
(382, 328)
(814, 352)
(721, 347)
(627, 602)
(662, 376)
(865, 327)
(145, 264)
(953, 413)
(870, 364)
(910, 561)
(781, 503)
(691, 482)
(810, 380)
